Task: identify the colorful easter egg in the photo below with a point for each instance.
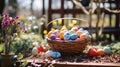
(53, 37)
(40, 49)
(67, 36)
(73, 36)
(100, 52)
(48, 53)
(58, 39)
(93, 52)
(56, 32)
(61, 34)
(75, 29)
(86, 32)
(81, 29)
(107, 50)
(34, 51)
(78, 39)
(79, 33)
(63, 28)
(71, 32)
(83, 37)
(50, 33)
(56, 54)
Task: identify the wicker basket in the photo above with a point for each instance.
(67, 46)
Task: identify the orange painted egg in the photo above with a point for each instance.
(83, 37)
(79, 33)
(100, 52)
(61, 35)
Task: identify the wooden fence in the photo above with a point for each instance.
(111, 30)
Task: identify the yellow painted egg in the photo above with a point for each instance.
(63, 28)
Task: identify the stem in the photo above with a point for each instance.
(40, 34)
(102, 25)
(81, 6)
(90, 16)
(8, 40)
(98, 19)
(6, 47)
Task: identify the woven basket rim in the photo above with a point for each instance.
(63, 41)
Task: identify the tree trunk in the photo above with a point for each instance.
(13, 11)
(31, 7)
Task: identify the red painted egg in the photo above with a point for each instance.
(40, 49)
(93, 52)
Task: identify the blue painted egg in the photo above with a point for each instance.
(86, 32)
(107, 50)
(67, 36)
(34, 51)
(56, 54)
(81, 29)
(73, 36)
(49, 53)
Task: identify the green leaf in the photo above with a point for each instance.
(24, 63)
(20, 56)
(1, 47)
(0, 17)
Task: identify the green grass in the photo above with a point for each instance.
(1, 47)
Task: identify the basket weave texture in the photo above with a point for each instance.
(67, 46)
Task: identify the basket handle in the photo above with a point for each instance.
(65, 18)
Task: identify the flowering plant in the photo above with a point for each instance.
(10, 28)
